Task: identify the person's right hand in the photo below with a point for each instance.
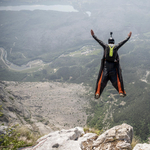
(92, 32)
(130, 34)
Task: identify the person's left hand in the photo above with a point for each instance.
(92, 32)
(130, 34)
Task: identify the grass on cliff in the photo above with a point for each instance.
(135, 141)
(17, 137)
(92, 130)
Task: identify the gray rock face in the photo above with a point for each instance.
(116, 138)
(142, 147)
(12, 108)
(63, 140)
(3, 129)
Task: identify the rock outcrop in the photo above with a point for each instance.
(64, 139)
(116, 138)
(142, 147)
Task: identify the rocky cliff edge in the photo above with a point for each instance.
(116, 138)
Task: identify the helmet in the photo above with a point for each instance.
(111, 40)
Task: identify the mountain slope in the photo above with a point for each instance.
(59, 105)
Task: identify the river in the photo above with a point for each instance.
(63, 8)
(35, 63)
(31, 64)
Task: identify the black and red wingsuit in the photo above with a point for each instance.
(110, 68)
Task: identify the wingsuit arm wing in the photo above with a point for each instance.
(98, 40)
(124, 41)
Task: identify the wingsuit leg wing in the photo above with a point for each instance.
(120, 80)
(101, 80)
(117, 80)
(114, 76)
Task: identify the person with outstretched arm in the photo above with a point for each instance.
(110, 67)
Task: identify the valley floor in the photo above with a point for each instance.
(61, 105)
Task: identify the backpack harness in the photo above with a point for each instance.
(111, 54)
(111, 51)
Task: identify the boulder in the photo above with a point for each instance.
(118, 138)
(62, 140)
(86, 142)
(142, 147)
